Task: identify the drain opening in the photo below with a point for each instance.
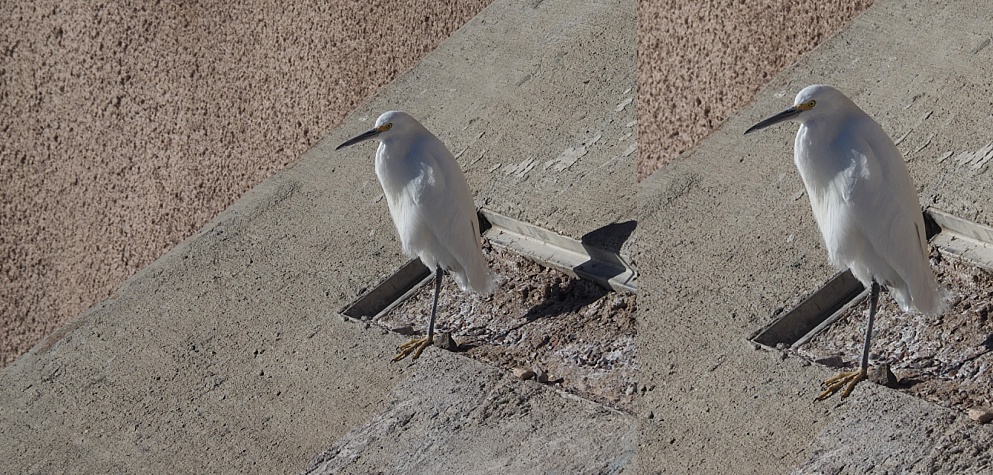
(389, 293)
(813, 314)
(947, 359)
(563, 306)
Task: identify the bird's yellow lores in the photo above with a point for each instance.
(865, 206)
(431, 207)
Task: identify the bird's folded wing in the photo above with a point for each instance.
(452, 220)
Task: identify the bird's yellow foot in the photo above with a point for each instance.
(846, 380)
(415, 346)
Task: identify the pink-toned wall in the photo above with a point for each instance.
(700, 61)
(127, 126)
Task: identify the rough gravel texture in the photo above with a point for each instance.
(127, 126)
(582, 336)
(946, 359)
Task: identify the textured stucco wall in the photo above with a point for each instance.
(699, 61)
(127, 126)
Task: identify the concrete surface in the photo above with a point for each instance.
(228, 355)
(127, 126)
(480, 419)
(726, 238)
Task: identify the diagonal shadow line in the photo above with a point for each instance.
(608, 238)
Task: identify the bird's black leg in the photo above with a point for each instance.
(848, 380)
(873, 300)
(438, 274)
(417, 345)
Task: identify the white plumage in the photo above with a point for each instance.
(430, 201)
(431, 205)
(863, 200)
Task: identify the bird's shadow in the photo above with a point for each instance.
(576, 294)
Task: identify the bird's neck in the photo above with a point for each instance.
(811, 154)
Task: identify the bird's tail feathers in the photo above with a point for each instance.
(481, 281)
(928, 297)
(478, 278)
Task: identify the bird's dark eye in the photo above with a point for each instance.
(812, 103)
(389, 125)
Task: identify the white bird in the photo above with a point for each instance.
(431, 207)
(865, 206)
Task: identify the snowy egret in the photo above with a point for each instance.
(431, 207)
(864, 204)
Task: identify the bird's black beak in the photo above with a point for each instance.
(361, 138)
(780, 117)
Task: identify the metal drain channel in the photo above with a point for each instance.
(958, 237)
(964, 239)
(814, 313)
(607, 268)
